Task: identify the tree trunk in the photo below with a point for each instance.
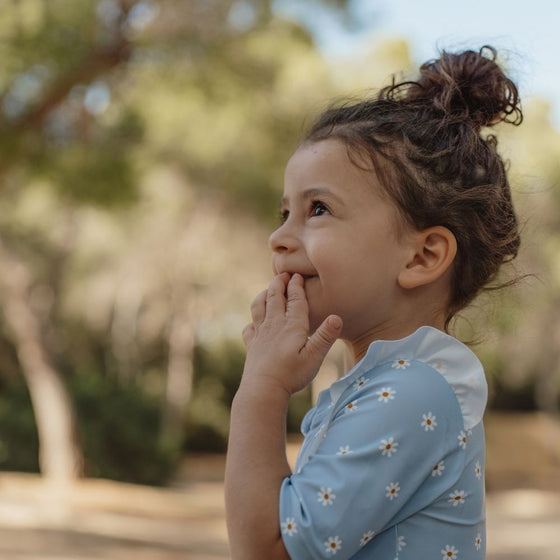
(181, 333)
(59, 456)
(179, 374)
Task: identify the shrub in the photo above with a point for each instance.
(19, 443)
(119, 428)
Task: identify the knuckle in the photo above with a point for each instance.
(294, 296)
(248, 333)
(323, 338)
(272, 291)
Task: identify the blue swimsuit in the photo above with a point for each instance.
(392, 465)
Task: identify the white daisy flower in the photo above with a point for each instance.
(392, 490)
(450, 553)
(457, 497)
(326, 496)
(388, 446)
(360, 382)
(289, 527)
(333, 544)
(343, 450)
(386, 394)
(350, 407)
(478, 470)
(366, 538)
(478, 541)
(401, 543)
(428, 422)
(462, 437)
(437, 470)
(400, 364)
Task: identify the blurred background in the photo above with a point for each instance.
(142, 146)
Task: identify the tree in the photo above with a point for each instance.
(41, 81)
(142, 149)
(81, 78)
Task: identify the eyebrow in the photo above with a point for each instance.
(313, 192)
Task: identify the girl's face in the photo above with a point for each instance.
(341, 234)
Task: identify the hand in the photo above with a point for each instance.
(280, 351)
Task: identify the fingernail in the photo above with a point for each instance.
(335, 322)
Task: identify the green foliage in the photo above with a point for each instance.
(506, 397)
(299, 405)
(94, 176)
(119, 428)
(18, 433)
(53, 98)
(57, 33)
(218, 371)
(221, 102)
(98, 169)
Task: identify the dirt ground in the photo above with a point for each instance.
(100, 519)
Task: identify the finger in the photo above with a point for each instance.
(258, 308)
(324, 337)
(296, 306)
(276, 294)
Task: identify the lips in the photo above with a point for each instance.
(304, 276)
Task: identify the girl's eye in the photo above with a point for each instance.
(318, 208)
(283, 215)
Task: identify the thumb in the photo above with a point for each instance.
(324, 337)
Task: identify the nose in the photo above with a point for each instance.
(283, 239)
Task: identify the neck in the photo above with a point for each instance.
(357, 347)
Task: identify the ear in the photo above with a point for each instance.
(433, 252)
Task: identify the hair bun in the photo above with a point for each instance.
(468, 85)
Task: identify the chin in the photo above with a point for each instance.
(315, 320)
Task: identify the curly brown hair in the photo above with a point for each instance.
(424, 141)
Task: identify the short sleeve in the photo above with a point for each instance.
(374, 461)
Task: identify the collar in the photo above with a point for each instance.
(444, 353)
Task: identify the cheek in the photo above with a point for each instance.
(329, 256)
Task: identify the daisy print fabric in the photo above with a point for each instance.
(393, 458)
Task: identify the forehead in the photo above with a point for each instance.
(326, 158)
(327, 164)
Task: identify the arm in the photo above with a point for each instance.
(281, 359)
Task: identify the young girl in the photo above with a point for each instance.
(396, 213)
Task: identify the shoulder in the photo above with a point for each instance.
(424, 369)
